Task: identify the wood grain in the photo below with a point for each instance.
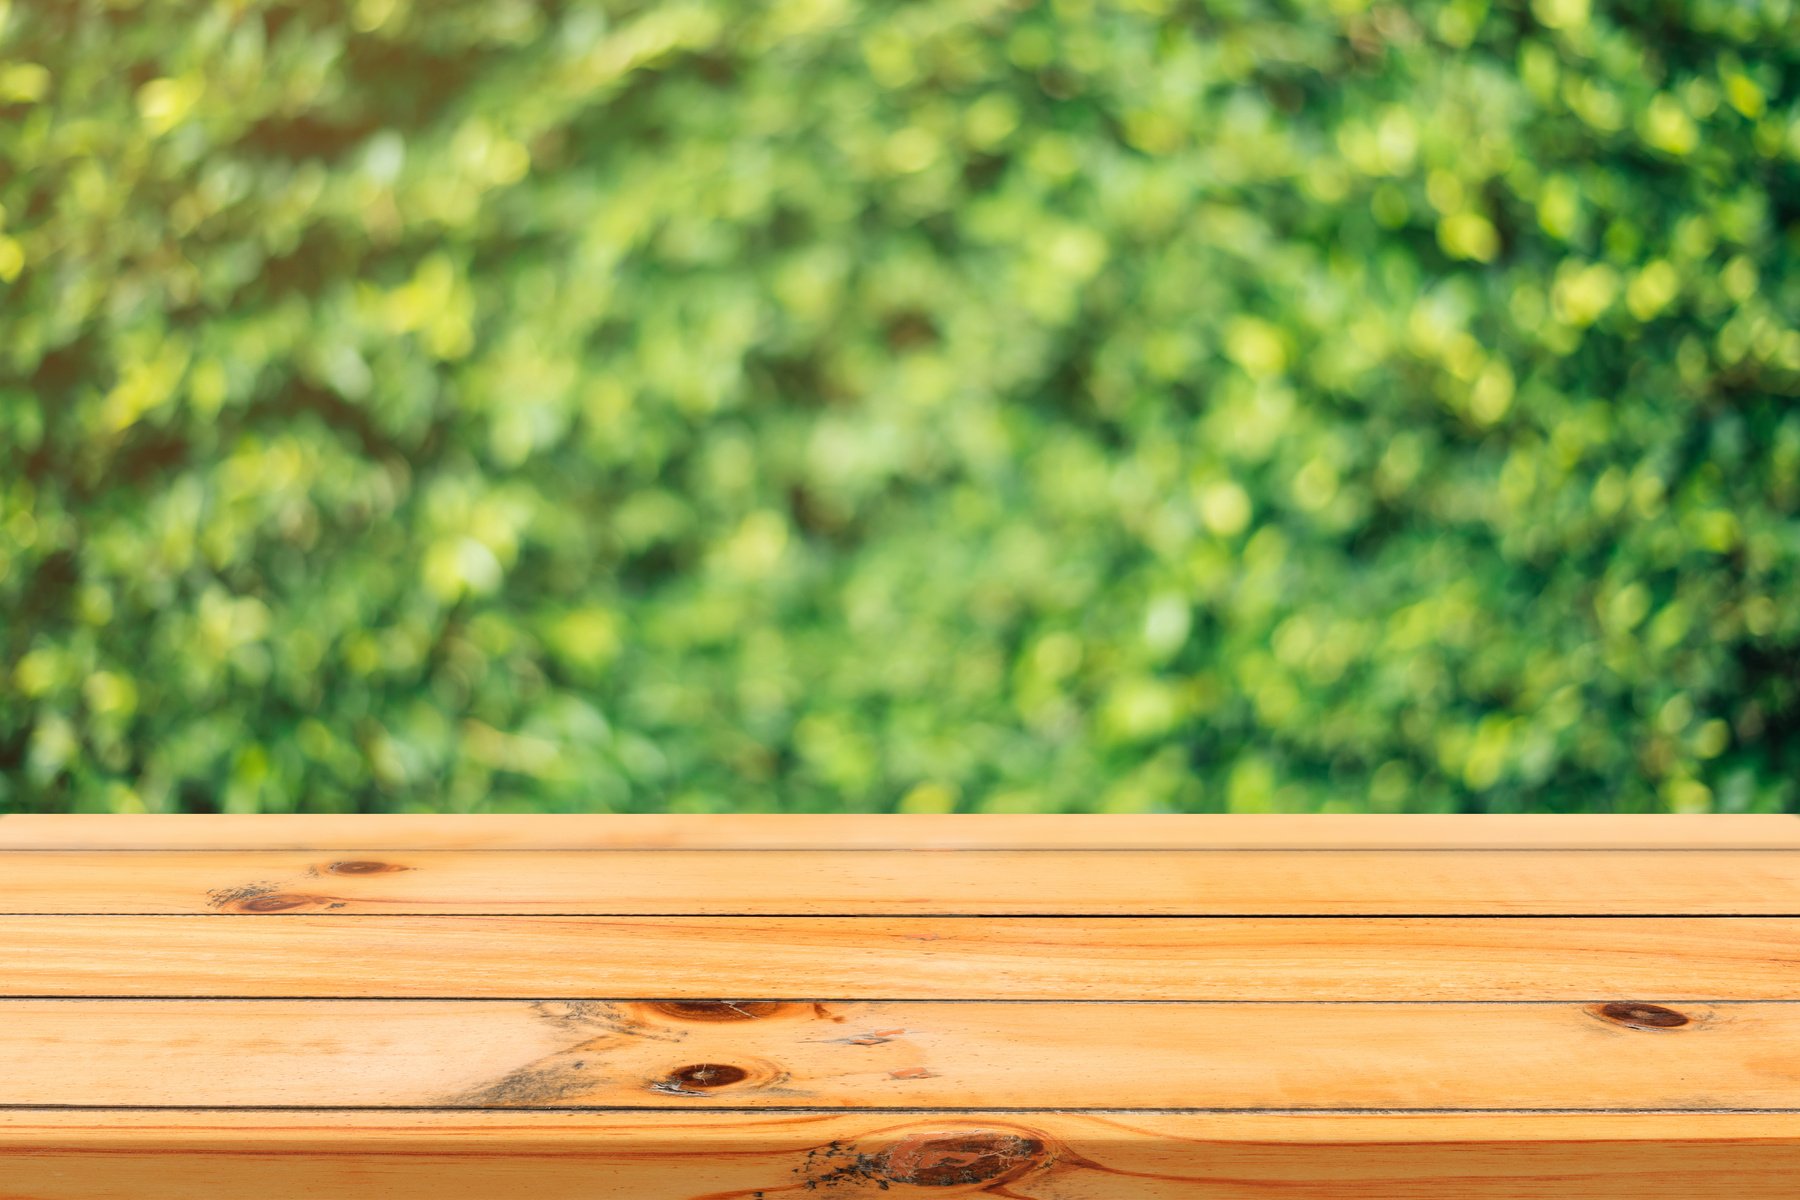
(1625, 1055)
(975, 831)
(1001, 958)
(1041, 1008)
(113, 1155)
(890, 882)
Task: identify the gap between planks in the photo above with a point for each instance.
(712, 1110)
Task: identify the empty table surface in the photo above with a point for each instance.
(1049, 1007)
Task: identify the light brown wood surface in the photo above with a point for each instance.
(924, 958)
(971, 831)
(112, 1155)
(892, 882)
(976, 1055)
(1055, 1008)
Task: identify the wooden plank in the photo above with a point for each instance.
(1628, 1055)
(881, 882)
(797, 831)
(122, 1155)
(1007, 958)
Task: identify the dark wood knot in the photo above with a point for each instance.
(957, 1159)
(364, 867)
(717, 1010)
(703, 1077)
(275, 902)
(1633, 1015)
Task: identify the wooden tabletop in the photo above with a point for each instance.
(1046, 1007)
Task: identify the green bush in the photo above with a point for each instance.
(962, 403)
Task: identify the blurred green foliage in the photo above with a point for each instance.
(1257, 404)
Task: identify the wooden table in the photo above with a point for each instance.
(752, 1008)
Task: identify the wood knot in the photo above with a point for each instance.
(364, 867)
(956, 1159)
(1633, 1015)
(717, 1010)
(699, 1078)
(273, 902)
